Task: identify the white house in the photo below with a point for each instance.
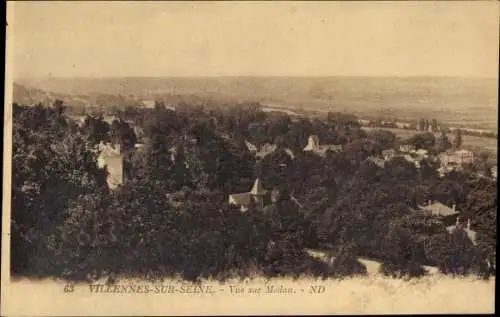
(456, 158)
(314, 146)
(403, 125)
(148, 103)
(257, 194)
(406, 148)
(265, 150)
(111, 157)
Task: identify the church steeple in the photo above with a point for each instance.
(258, 193)
(258, 189)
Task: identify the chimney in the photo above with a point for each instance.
(468, 224)
(454, 207)
(429, 202)
(457, 223)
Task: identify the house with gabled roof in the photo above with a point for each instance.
(438, 210)
(471, 234)
(257, 194)
(313, 145)
(456, 157)
(266, 149)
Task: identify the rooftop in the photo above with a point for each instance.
(257, 188)
(439, 209)
(471, 234)
(242, 199)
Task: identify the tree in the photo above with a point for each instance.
(427, 125)
(434, 124)
(346, 263)
(51, 168)
(421, 124)
(457, 141)
(443, 143)
(424, 140)
(384, 137)
(121, 132)
(361, 149)
(454, 253)
(401, 253)
(96, 128)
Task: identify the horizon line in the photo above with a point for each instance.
(250, 76)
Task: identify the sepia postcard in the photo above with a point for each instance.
(250, 158)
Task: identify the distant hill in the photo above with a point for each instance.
(450, 100)
(30, 96)
(27, 95)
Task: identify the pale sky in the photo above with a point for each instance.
(254, 39)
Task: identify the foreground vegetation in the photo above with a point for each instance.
(172, 218)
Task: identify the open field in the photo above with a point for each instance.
(456, 101)
(360, 295)
(472, 142)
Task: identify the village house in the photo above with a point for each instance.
(447, 215)
(111, 157)
(465, 155)
(364, 122)
(79, 120)
(314, 146)
(265, 150)
(148, 103)
(257, 195)
(451, 160)
(388, 154)
(471, 234)
(403, 125)
(422, 153)
(443, 170)
(380, 162)
(109, 119)
(407, 148)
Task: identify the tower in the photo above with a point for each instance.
(258, 193)
(312, 143)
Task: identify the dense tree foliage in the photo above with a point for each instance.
(171, 216)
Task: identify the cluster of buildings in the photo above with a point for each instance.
(453, 160)
(111, 156)
(408, 152)
(260, 196)
(450, 160)
(312, 145)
